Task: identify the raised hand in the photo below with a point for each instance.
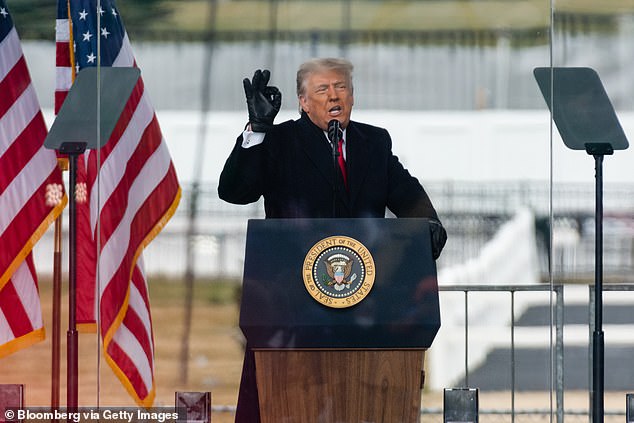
(263, 101)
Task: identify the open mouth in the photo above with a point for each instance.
(335, 111)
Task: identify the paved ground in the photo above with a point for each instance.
(532, 364)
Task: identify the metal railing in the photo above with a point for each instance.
(557, 319)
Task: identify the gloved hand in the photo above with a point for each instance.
(438, 237)
(263, 102)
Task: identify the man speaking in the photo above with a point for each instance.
(319, 166)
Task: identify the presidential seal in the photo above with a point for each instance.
(338, 271)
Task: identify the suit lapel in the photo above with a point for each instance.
(316, 147)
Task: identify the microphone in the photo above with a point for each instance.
(334, 132)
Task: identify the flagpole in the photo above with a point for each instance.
(57, 298)
(57, 301)
(72, 341)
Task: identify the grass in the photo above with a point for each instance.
(206, 291)
(188, 19)
(387, 15)
(401, 15)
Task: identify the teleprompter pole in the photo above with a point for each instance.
(598, 342)
(57, 304)
(73, 150)
(57, 295)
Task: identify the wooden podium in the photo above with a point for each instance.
(316, 362)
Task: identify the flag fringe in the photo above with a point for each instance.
(24, 341)
(143, 402)
(35, 237)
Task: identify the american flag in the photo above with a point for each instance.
(31, 193)
(138, 193)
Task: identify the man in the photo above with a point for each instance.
(301, 174)
(291, 164)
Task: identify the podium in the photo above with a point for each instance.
(339, 313)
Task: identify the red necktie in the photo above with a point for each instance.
(342, 162)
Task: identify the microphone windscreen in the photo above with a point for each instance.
(334, 130)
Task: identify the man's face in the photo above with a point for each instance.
(327, 96)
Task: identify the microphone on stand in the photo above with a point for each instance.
(334, 133)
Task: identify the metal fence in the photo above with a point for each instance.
(465, 197)
(556, 343)
(471, 212)
(435, 415)
(524, 416)
(557, 306)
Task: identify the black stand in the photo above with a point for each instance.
(598, 343)
(75, 129)
(334, 133)
(586, 121)
(73, 150)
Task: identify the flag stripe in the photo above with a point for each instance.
(18, 233)
(18, 116)
(125, 58)
(13, 85)
(6, 334)
(16, 195)
(19, 152)
(64, 78)
(11, 52)
(28, 293)
(18, 321)
(62, 34)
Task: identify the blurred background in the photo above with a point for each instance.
(452, 80)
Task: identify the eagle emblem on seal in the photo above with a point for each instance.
(339, 267)
(338, 271)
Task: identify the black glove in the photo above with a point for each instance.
(438, 237)
(263, 102)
